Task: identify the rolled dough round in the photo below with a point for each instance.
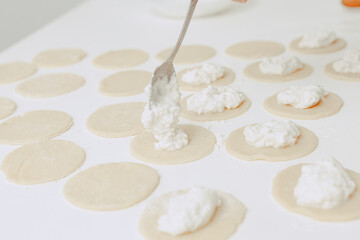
(188, 54)
(125, 83)
(337, 45)
(283, 192)
(253, 72)
(117, 120)
(236, 145)
(120, 59)
(331, 73)
(111, 186)
(53, 58)
(325, 108)
(227, 217)
(228, 78)
(201, 144)
(50, 85)
(16, 71)
(7, 107)
(227, 114)
(42, 162)
(255, 49)
(34, 126)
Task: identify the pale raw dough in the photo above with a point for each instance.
(50, 85)
(216, 116)
(188, 54)
(327, 107)
(117, 120)
(16, 71)
(7, 107)
(34, 126)
(337, 45)
(125, 83)
(236, 145)
(255, 49)
(229, 77)
(53, 58)
(283, 189)
(120, 59)
(111, 186)
(330, 72)
(253, 72)
(201, 144)
(227, 217)
(42, 162)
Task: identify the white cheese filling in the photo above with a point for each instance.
(280, 65)
(215, 99)
(302, 97)
(350, 63)
(323, 184)
(163, 116)
(206, 74)
(317, 40)
(189, 211)
(275, 133)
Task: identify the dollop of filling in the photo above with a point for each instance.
(323, 184)
(317, 40)
(350, 63)
(275, 133)
(189, 211)
(162, 118)
(215, 99)
(280, 65)
(206, 74)
(302, 97)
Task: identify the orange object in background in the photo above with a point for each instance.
(351, 3)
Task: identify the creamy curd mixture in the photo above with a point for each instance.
(317, 40)
(350, 63)
(206, 74)
(282, 65)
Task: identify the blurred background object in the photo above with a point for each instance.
(351, 3)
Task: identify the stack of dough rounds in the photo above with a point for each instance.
(53, 58)
(111, 186)
(125, 83)
(34, 126)
(330, 72)
(120, 59)
(7, 107)
(16, 71)
(50, 85)
(337, 45)
(283, 192)
(117, 120)
(42, 162)
(255, 49)
(227, 217)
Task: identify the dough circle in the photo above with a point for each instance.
(188, 54)
(16, 71)
(337, 45)
(201, 144)
(216, 116)
(325, 108)
(34, 126)
(42, 162)
(111, 186)
(117, 120)
(50, 85)
(331, 73)
(223, 224)
(7, 107)
(283, 189)
(229, 77)
(53, 58)
(236, 145)
(125, 83)
(120, 59)
(253, 72)
(255, 49)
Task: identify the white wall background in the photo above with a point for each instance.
(19, 18)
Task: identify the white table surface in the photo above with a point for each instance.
(41, 213)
